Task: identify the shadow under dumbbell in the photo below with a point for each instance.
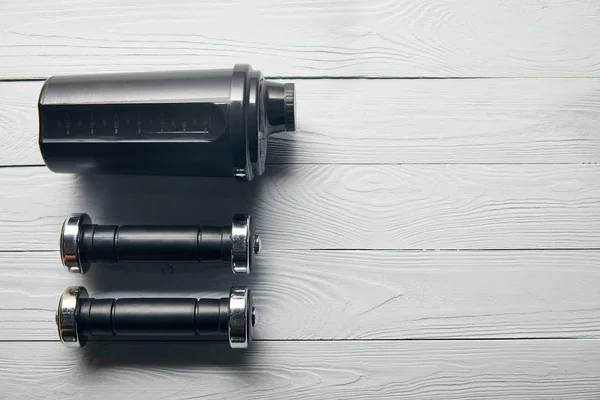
(155, 200)
(145, 200)
(174, 279)
(173, 200)
(107, 354)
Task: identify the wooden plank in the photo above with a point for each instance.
(328, 207)
(324, 295)
(343, 38)
(400, 121)
(546, 369)
(19, 123)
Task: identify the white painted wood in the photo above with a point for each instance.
(315, 297)
(19, 123)
(343, 294)
(298, 38)
(399, 121)
(565, 369)
(328, 207)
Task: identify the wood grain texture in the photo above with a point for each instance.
(19, 123)
(328, 207)
(397, 165)
(290, 370)
(318, 295)
(403, 121)
(407, 38)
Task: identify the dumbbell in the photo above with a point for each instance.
(83, 243)
(195, 123)
(81, 319)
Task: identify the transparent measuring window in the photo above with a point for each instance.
(132, 121)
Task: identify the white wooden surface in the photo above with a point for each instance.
(402, 38)
(424, 238)
(507, 369)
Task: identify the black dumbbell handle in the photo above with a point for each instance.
(83, 243)
(112, 243)
(153, 317)
(81, 319)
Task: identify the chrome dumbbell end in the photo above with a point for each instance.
(67, 315)
(82, 243)
(242, 318)
(70, 237)
(244, 243)
(231, 318)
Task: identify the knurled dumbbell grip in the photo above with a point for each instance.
(153, 317)
(83, 243)
(112, 243)
(80, 318)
